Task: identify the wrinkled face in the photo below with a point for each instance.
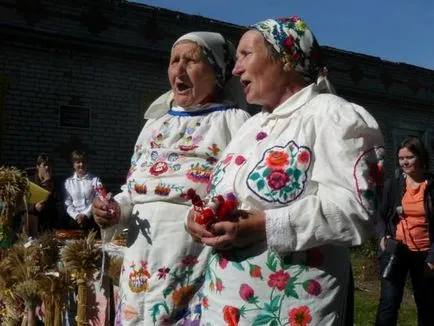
(409, 162)
(44, 170)
(190, 75)
(80, 168)
(263, 78)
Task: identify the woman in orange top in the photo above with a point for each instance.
(407, 215)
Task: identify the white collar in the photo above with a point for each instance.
(293, 103)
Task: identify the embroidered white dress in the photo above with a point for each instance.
(312, 165)
(163, 268)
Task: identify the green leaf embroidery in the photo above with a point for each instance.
(271, 261)
(289, 171)
(289, 290)
(262, 320)
(273, 305)
(297, 173)
(260, 185)
(255, 176)
(273, 323)
(266, 173)
(238, 266)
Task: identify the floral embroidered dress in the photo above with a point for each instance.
(163, 267)
(313, 165)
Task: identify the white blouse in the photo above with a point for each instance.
(176, 152)
(312, 165)
(79, 194)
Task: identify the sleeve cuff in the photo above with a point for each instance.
(280, 234)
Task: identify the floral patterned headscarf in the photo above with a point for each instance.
(295, 42)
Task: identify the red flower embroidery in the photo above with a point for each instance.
(278, 280)
(277, 179)
(303, 157)
(223, 262)
(189, 261)
(277, 160)
(289, 41)
(300, 316)
(231, 315)
(239, 160)
(205, 302)
(255, 271)
(246, 293)
(219, 285)
(312, 287)
(314, 257)
(294, 19)
(158, 168)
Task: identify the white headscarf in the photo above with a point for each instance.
(220, 53)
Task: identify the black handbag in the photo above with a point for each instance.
(395, 249)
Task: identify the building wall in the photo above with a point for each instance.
(112, 60)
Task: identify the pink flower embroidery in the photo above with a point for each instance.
(219, 285)
(277, 179)
(239, 160)
(228, 159)
(223, 262)
(261, 135)
(278, 280)
(303, 157)
(162, 273)
(246, 293)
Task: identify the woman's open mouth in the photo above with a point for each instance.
(182, 87)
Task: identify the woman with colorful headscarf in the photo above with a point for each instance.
(305, 171)
(186, 132)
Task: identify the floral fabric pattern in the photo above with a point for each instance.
(285, 281)
(369, 177)
(295, 42)
(281, 173)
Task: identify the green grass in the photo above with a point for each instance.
(368, 292)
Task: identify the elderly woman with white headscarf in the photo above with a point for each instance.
(186, 132)
(305, 171)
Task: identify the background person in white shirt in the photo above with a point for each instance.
(80, 192)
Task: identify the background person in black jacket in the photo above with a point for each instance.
(407, 215)
(44, 215)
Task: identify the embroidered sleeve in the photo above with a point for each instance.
(347, 158)
(235, 119)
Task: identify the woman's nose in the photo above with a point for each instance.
(237, 69)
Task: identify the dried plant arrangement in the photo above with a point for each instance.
(13, 191)
(114, 269)
(82, 259)
(23, 271)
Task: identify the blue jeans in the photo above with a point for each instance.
(392, 291)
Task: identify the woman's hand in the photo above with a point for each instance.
(431, 266)
(196, 230)
(246, 229)
(102, 215)
(39, 206)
